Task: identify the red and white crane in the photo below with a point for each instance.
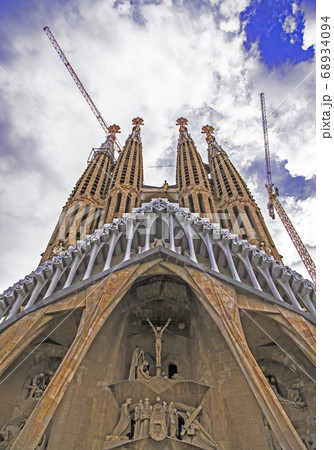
(275, 204)
(109, 130)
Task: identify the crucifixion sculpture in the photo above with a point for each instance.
(158, 331)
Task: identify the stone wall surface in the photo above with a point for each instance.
(238, 371)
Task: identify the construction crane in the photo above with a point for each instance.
(275, 204)
(110, 131)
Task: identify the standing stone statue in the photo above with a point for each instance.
(172, 420)
(273, 384)
(158, 331)
(136, 360)
(146, 412)
(124, 424)
(138, 419)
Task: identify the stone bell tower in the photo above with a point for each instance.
(127, 179)
(84, 209)
(157, 326)
(191, 177)
(235, 204)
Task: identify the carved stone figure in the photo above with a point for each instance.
(294, 396)
(8, 434)
(307, 441)
(158, 422)
(273, 384)
(158, 331)
(146, 412)
(38, 383)
(143, 372)
(124, 424)
(158, 426)
(36, 386)
(138, 419)
(194, 433)
(58, 249)
(172, 420)
(136, 360)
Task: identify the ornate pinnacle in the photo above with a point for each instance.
(136, 124)
(208, 130)
(182, 122)
(113, 129)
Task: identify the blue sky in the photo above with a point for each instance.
(280, 41)
(205, 60)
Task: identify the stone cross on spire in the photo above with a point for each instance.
(137, 122)
(113, 129)
(213, 147)
(208, 130)
(111, 143)
(182, 122)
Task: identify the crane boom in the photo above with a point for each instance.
(275, 203)
(302, 250)
(90, 102)
(266, 141)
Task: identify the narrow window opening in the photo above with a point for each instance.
(181, 425)
(128, 203)
(118, 202)
(201, 203)
(172, 370)
(191, 203)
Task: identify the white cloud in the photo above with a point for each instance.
(175, 65)
(124, 8)
(309, 36)
(289, 24)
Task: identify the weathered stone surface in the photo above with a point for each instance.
(205, 345)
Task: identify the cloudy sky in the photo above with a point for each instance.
(206, 60)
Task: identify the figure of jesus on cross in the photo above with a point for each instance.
(158, 344)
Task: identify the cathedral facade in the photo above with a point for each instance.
(159, 317)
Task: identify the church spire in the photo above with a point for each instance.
(213, 147)
(184, 135)
(192, 180)
(110, 145)
(235, 204)
(83, 211)
(136, 122)
(127, 178)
